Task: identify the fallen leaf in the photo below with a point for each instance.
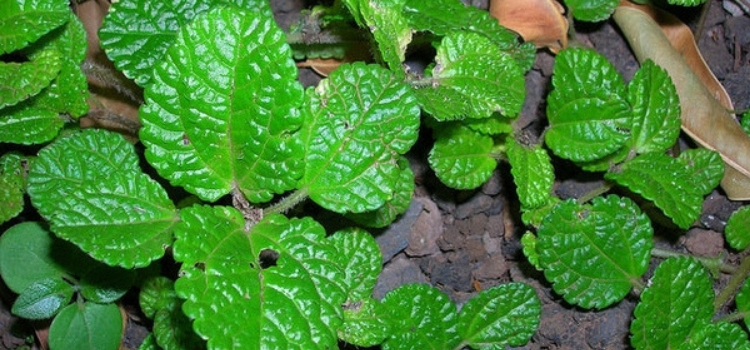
(538, 21)
(656, 35)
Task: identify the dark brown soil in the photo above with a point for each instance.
(466, 241)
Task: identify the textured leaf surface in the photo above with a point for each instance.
(592, 10)
(472, 78)
(737, 231)
(587, 109)
(27, 124)
(656, 109)
(421, 317)
(25, 21)
(706, 168)
(666, 182)
(528, 240)
(222, 109)
(361, 119)
(90, 188)
(172, 329)
(594, 254)
(679, 298)
(12, 185)
(532, 172)
(360, 257)
(43, 299)
(508, 314)
(365, 323)
(241, 300)
(389, 28)
(719, 336)
(462, 158)
(87, 326)
(397, 205)
(742, 299)
(686, 2)
(19, 81)
(496, 124)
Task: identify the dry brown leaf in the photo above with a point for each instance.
(704, 102)
(538, 21)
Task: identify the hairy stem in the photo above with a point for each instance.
(288, 202)
(735, 282)
(710, 263)
(604, 188)
(733, 317)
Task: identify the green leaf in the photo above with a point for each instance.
(737, 231)
(26, 123)
(222, 115)
(397, 205)
(587, 110)
(593, 254)
(389, 28)
(359, 256)
(156, 293)
(742, 299)
(23, 80)
(421, 317)
(745, 122)
(686, 2)
(719, 336)
(528, 241)
(172, 329)
(504, 315)
(472, 78)
(462, 158)
(12, 185)
(497, 124)
(43, 299)
(656, 109)
(361, 119)
(149, 343)
(87, 326)
(666, 182)
(90, 188)
(591, 10)
(25, 21)
(105, 284)
(532, 172)
(679, 298)
(275, 285)
(706, 168)
(365, 323)
(534, 217)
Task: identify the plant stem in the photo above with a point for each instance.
(604, 188)
(708, 262)
(735, 316)
(735, 282)
(288, 202)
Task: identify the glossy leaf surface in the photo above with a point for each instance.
(737, 231)
(222, 110)
(172, 329)
(43, 299)
(656, 109)
(359, 256)
(12, 185)
(462, 158)
(706, 168)
(397, 205)
(594, 254)
(532, 172)
(591, 10)
(389, 28)
(90, 188)
(25, 21)
(365, 323)
(19, 81)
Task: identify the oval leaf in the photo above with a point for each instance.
(462, 158)
(87, 326)
(656, 109)
(533, 174)
(43, 299)
(12, 185)
(737, 231)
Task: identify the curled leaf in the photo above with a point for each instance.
(538, 21)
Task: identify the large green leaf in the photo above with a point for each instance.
(25, 21)
(588, 114)
(12, 185)
(664, 180)
(462, 158)
(87, 326)
(717, 336)
(472, 78)
(678, 301)
(222, 109)
(90, 188)
(361, 119)
(275, 285)
(19, 81)
(594, 254)
(656, 109)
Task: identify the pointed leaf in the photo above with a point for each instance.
(462, 158)
(472, 78)
(587, 110)
(594, 254)
(508, 314)
(43, 299)
(737, 231)
(12, 185)
(25, 21)
(679, 298)
(532, 172)
(292, 301)
(91, 189)
(87, 326)
(361, 118)
(666, 182)
(591, 10)
(23, 80)
(656, 109)
(421, 317)
(222, 109)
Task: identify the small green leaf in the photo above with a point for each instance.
(24, 21)
(156, 293)
(361, 119)
(587, 110)
(149, 343)
(591, 10)
(718, 336)
(666, 182)
(706, 168)
(87, 326)
(365, 323)
(594, 254)
(528, 241)
(656, 109)
(105, 284)
(222, 114)
(504, 315)
(679, 298)
(23, 80)
(462, 158)
(43, 299)
(686, 2)
(275, 285)
(172, 329)
(472, 78)
(497, 124)
(421, 317)
(28, 124)
(743, 301)
(360, 257)
(737, 231)
(396, 206)
(389, 28)
(745, 122)
(12, 185)
(91, 189)
(532, 172)
(534, 217)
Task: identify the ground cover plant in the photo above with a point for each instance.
(236, 143)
